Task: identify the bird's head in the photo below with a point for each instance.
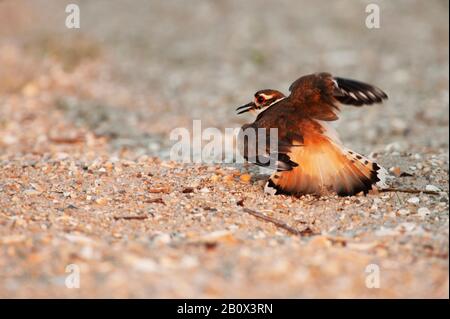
(262, 100)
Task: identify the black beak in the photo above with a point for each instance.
(246, 107)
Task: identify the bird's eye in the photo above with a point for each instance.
(260, 99)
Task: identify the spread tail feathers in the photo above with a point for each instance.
(326, 167)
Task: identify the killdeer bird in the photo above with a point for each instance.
(310, 158)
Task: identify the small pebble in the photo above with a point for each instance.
(432, 188)
(228, 178)
(414, 200)
(403, 212)
(395, 170)
(204, 190)
(31, 192)
(162, 239)
(214, 178)
(101, 201)
(423, 212)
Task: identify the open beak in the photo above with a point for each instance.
(246, 107)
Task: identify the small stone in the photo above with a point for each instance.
(214, 178)
(403, 212)
(406, 174)
(162, 239)
(414, 200)
(156, 190)
(228, 178)
(432, 188)
(245, 178)
(31, 192)
(423, 212)
(395, 170)
(205, 190)
(188, 190)
(101, 201)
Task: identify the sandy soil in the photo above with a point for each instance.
(85, 177)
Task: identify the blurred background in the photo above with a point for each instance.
(85, 116)
(156, 65)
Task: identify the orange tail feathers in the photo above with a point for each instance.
(325, 167)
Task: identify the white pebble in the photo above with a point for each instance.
(423, 211)
(403, 212)
(30, 192)
(432, 188)
(204, 190)
(414, 200)
(162, 239)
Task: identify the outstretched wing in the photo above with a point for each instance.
(357, 93)
(318, 95)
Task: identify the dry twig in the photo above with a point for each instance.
(306, 231)
(130, 217)
(409, 190)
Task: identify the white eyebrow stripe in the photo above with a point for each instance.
(276, 101)
(257, 111)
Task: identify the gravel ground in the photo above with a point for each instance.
(85, 177)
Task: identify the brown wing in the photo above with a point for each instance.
(318, 95)
(286, 118)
